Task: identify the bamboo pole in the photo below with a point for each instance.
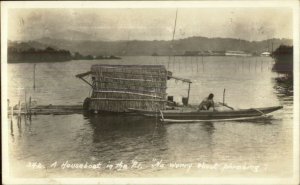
(19, 116)
(25, 107)
(34, 66)
(11, 129)
(124, 92)
(19, 112)
(11, 113)
(11, 120)
(122, 99)
(172, 43)
(8, 103)
(188, 93)
(224, 101)
(29, 107)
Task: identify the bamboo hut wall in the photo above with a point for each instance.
(118, 87)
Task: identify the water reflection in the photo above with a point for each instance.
(134, 137)
(191, 142)
(283, 86)
(209, 127)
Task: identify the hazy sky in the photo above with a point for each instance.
(150, 24)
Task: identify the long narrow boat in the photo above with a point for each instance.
(190, 115)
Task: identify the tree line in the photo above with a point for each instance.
(38, 55)
(48, 54)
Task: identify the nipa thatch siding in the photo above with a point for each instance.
(119, 87)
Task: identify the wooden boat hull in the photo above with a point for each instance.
(219, 120)
(208, 115)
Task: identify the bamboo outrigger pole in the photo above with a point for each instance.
(174, 30)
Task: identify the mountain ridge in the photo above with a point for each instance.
(161, 47)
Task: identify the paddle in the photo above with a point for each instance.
(225, 105)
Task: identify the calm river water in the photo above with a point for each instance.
(133, 146)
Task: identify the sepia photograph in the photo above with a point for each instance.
(161, 92)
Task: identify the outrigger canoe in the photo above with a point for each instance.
(190, 115)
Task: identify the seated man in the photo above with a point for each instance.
(207, 103)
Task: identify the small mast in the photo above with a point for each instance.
(174, 31)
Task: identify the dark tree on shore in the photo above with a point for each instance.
(283, 57)
(77, 56)
(38, 55)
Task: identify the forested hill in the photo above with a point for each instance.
(144, 48)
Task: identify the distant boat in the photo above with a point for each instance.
(266, 54)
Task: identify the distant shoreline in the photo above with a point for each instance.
(187, 46)
(49, 54)
(73, 60)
